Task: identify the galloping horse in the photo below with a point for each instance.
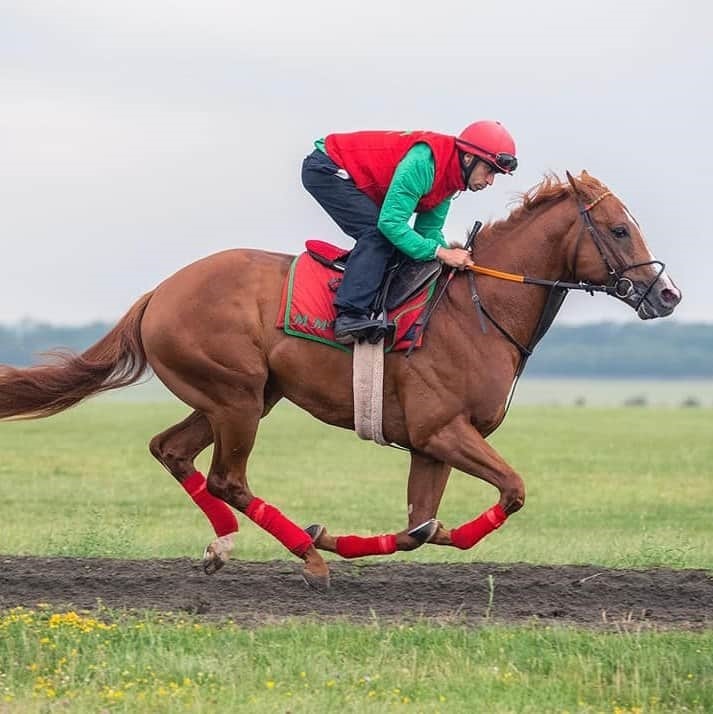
(208, 332)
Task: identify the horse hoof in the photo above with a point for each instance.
(211, 564)
(320, 583)
(217, 554)
(314, 531)
(425, 531)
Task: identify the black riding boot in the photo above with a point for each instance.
(359, 287)
(350, 328)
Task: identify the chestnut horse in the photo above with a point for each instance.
(208, 332)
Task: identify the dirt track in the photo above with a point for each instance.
(251, 593)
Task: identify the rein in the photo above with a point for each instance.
(556, 287)
(590, 288)
(618, 287)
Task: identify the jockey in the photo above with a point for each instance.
(372, 182)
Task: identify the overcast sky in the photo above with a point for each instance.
(138, 136)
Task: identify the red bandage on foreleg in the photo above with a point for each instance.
(218, 512)
(355, 546)
(467, 535)
(272, 520)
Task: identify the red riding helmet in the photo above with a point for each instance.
(490, 141)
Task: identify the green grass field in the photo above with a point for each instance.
(111, 662)
(617, 487)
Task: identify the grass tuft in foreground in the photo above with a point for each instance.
(108, 661)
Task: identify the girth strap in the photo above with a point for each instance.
(368, 386)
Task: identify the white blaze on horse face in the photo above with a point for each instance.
(665, 283)
(651, 272)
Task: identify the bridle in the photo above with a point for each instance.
(618, 284)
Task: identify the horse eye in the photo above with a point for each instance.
(620, 232)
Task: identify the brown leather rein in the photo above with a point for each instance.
(621, 287)
(618, 285)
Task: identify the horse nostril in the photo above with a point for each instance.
(670, 297)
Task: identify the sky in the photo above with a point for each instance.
(139, 136)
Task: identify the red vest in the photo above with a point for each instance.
(371, 157)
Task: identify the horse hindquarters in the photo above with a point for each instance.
(213, 357)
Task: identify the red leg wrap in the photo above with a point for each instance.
(467, 535)
(218, 512)
(355, 546)
(271, 519)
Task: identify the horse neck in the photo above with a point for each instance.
(540, 246)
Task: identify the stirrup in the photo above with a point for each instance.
(384, 331)
(353, 329)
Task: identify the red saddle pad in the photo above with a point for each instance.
(307, 310)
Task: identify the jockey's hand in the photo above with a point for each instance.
(455, 257)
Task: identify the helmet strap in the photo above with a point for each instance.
(467, 169)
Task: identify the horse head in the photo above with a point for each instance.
(610, 249)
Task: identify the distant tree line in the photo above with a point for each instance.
(664, 349)
(24, 344)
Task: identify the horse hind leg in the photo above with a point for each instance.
(176, 449)
(235, 429)
(427, 481)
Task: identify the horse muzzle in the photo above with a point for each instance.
(659, 300)
(647, 289)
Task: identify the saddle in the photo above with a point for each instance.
(307, 310)
(403, 278)
(307, 304)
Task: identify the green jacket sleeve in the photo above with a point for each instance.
(412, 180)
(430, 223)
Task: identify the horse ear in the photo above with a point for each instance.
(573, 183)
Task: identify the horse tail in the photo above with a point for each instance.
(117, 360)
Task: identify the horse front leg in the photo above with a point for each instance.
(462, 447)
(427, 481)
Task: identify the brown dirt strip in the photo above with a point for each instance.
(253, 593)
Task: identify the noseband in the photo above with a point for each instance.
(618, 284)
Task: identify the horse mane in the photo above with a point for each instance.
(551, 189)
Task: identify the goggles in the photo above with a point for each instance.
(502, 161)
(505, 162)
